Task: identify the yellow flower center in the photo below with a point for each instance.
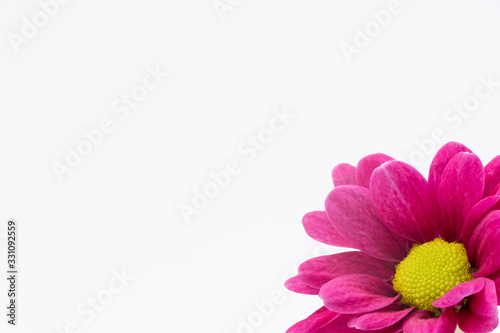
(429, 271)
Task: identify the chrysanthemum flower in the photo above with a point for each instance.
(429, 250)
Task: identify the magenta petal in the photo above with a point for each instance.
(491, 175)
(318, 271)
(495, 277)
(357, 293)
(379, 319)
(494, 191)
(296, 284)
(405, 202)
(425, 321)
(461, 187)
(318, 227)
(458, 293)
(339, 325)
(484, 246)
(352, 213)
(344, 174)
(443, 156)
(366, 166)
(314, 322)
(476, 214)
(480, 314)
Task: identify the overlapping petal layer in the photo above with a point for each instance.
(352, 213)
(484, 246)
(318, 227)
(440, 161)
(357, 293)
(480, 313)
(339, 325)
(380, 319)
(317, 271)
(344, 174)
(314, 322)
(405, 202)
(298, 285)
(461, 187)
(492, 176)
(366, 166)
(476, 214)
(425, 321)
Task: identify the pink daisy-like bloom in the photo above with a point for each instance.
(429, 250)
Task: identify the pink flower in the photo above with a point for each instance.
(429, 250)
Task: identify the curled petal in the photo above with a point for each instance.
(443, 156)
(318, 227)
(476, 214)
(491, 176)
(344, 174)
(357, 293)
(352, 213)
(366, 166)
(318, 271)
(480, 315)
(311, 324)
(484, 246)
(425, 321)
(405, 202)
(461, 187)
(296, 284)
(380, 319)
(458, 293)
(495, 277)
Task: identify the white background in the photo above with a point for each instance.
(119, 209)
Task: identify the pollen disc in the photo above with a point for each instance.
(429, 271)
